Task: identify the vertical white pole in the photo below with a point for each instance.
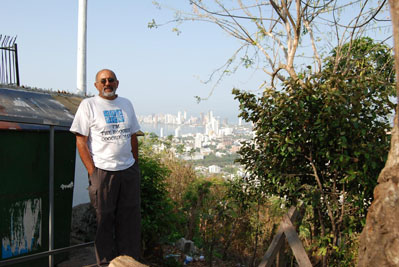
(82, 38)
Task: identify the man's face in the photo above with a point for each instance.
(106, 84)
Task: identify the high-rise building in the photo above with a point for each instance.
(179, 118)
(225, 122)
(198, 140)
(170, 119)
(215, 126)
(177, 132)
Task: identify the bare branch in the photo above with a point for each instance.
(228, 15)
(292, 23)
(316, 54)
(224, 70)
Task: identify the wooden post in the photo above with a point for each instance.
(286, 229)
(295, 243)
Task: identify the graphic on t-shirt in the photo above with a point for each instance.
(118, 130)
(113, 116)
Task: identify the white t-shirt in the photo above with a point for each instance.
(109, 124)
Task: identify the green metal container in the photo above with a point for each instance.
(25, 167)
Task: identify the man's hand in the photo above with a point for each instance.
(90, 172)
(135, 147)
(83, 148)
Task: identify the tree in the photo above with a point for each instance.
(287, 40)
(325, 143)
(378, 244)
(282, 37)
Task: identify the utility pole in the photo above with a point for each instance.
(82, 44)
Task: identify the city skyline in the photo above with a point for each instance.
(183, 117)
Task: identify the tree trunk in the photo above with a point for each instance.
(379, 241)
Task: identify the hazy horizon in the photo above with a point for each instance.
(158, 70)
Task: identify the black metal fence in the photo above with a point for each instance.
(9, 71)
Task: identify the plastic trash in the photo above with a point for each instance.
(187, 260)
(175, 256)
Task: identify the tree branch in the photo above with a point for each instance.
(329, 210)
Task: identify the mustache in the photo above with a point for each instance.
(112, 93)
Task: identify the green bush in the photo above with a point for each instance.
(158, 218)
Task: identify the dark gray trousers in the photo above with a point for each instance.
(115, 195)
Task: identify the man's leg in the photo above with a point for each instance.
(128, 217)
(103, 193)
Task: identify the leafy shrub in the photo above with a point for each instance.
(158, 218)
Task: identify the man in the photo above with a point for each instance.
(105, 127)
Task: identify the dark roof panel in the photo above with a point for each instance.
(36, 107)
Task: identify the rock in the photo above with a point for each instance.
(84, 224)
(125, 261)
(186, 246)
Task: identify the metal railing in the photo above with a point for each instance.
(9, 70)
(43, 254)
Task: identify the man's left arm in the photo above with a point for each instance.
(135, 147)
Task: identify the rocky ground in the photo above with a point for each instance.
(85, 258)
(80, 257)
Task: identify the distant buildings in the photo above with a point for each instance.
(214, 169)
(177, 132)
(182, 118)
(217, 140)
(213, 128)
(198, 140)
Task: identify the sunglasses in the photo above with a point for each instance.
(104, 81)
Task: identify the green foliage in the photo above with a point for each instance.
(324, 143)
(221, 224)
(212, 159)
(251, 217)
(180, 148)
(207, 210)
(158, 220)
(172, 262)
(152, 24)
(363, 57)
(194, 202)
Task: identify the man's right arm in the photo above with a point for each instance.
(83, 148)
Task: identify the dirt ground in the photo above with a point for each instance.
(85, 257)
(81, 257)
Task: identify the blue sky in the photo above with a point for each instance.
(159, 71)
